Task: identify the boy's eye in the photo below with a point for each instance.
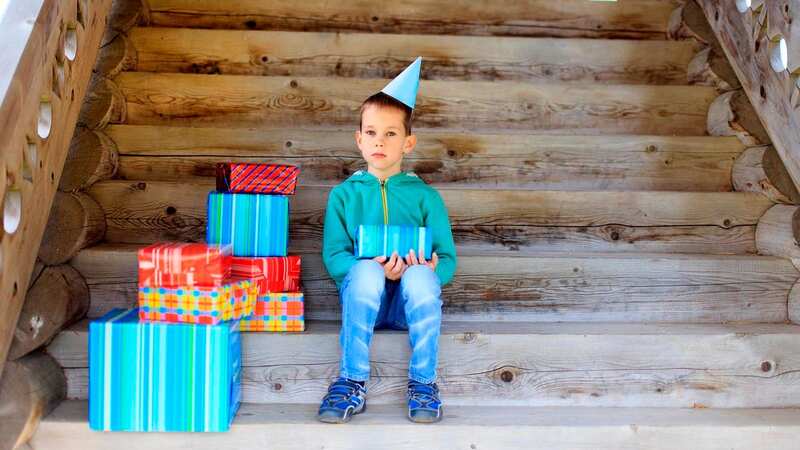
(370, 132)
(391, 133)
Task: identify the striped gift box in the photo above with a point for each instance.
(256, 225)
(173, 264)
(279, 273)
(257, 178)
(279, 311)
(151, 376)
(383, 240)
(200, 304)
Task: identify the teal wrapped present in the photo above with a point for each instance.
(256, 224)
(154, 376)
(383, 240)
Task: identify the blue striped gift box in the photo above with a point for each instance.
(153, 376)
(382, 240)
(256, 224)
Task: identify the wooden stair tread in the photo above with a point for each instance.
(243, 101)
(505, 363)
(252, 52)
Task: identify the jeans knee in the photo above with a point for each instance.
(365, 284)
(420, 285)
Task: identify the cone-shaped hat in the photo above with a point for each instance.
(404, 86)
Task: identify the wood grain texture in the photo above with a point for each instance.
(709, 67)
(638, 19)
(308, 54)
(76, 221)
(778, 232)
(676, 163)
(759, 169)
(548, 287)
(104, 104)
(251, 101)
(518, 364)
(92, 157)
(731, 114)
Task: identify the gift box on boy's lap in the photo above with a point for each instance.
(279, 273)
(383, 240)
(277, 311)
(175, 264)
(235, 299)
(152, 376)
(256, 225)
(257, 178)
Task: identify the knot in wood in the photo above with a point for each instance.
(506, 376)
(278, 386)
(766, 366)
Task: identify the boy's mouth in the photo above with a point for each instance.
(378, 155)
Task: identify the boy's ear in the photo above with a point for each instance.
(358, 137)
(411, 142)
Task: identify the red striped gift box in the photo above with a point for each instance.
(173, 264)
(257, 178)
(280, 273)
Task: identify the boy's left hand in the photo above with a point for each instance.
(411, 259)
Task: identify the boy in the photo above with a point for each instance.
(402, 292)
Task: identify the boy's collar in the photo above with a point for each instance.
(401, 174)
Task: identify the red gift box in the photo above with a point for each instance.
(257, 178)
(280, 273)
(184, 264)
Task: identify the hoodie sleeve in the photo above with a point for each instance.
(439, 223)
(337, 247)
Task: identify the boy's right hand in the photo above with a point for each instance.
(394, 268)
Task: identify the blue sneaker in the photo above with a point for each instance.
(424, 404)
(345, 398)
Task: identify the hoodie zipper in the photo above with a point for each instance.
(385, 203)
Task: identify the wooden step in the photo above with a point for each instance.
(599, 287)
(492, 220)
(294, 427)
(638, 19)
(240, 101)
(516, 364)
(308, 54)
(646, 163)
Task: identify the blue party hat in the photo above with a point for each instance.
(404, 86)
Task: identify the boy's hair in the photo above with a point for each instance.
(382, 100)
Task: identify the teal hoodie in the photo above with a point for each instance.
(403, 199)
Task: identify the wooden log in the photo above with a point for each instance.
(58, 298)
(250, 101)
(116, 56)
(76, 221)
(688, 21)
(275, 53)
(709, 67)
(30, 388)
(778, 233)
(759, 169)
(104, 104)
(731, 114)
(124, 15)
(636, 19)
(520, 364)
(92, 157)
(674, 163)
(547, 287)
(143, 212)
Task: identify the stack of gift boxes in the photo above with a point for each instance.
(174, 363)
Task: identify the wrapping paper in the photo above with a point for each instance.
(151, 376)
(277, 312)
(184, 264)
(257, 178)
(202, 305)
(256, 225)
(382, 240)
(279, 273)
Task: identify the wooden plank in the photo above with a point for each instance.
(144, 212)
(519, 364)
(307, 54)
(37, 118)
(294, 427)
(637, 19)
(226, 101)
(548, 287)
(676, 163)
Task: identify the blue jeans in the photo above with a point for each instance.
(370, 301)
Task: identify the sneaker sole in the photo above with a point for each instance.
(427, 418)
(343, 419)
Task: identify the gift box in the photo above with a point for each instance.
(184, 264)
(279, 273)
(152, 376)
(383, 240)
(257, 178)
(278, 311)
(256, 225)
(235, 299)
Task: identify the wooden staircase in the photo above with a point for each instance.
(609, 292)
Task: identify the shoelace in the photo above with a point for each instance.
(425, 394)
(341, 390)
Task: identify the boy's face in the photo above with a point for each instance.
(383, 141)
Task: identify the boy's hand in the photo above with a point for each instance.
(394, 268)
(411, 259)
